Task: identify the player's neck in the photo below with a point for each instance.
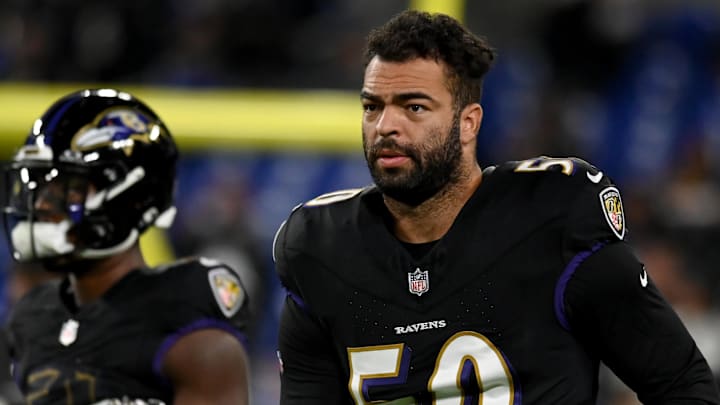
(89, 286)
(432, 219)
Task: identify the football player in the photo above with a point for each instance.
(447, 284)
(96, 171)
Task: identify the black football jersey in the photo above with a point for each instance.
(481, 317)
(114, 348)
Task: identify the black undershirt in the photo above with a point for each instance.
(418, 250)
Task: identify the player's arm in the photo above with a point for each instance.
(616, 310)
(208, 366)
(204, 359)
(310, 371)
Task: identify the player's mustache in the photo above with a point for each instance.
(392, 145)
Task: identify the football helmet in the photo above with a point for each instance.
(97, 169)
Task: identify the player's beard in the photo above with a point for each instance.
(435, 165)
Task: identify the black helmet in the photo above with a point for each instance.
(97, 169)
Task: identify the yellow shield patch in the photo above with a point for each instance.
(613, 210)
(227, 290)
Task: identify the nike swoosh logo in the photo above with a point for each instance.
(595, 178)
(643, 278)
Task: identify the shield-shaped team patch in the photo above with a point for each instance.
(613, 210)
(418, 282)
(227, 290)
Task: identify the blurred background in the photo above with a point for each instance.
(262, 96)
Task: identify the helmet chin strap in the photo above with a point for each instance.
(120, 247)
(164, 220)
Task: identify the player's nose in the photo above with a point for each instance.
(388, 123)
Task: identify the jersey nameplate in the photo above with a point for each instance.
(227, 290)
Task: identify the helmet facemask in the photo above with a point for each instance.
(70, 212)
(45, 204)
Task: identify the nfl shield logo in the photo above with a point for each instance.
(68, 332)
(418, 282)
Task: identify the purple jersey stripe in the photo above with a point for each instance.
(206, 323)
(565, 278)
(299, 301)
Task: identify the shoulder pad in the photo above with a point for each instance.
(569, 166)
(224, 283)
(313, 224)
(320, 211)
(591, 198)
(569, 173)
(333, 197)
(323, 200)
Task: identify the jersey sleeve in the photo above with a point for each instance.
(280, 256)
(285, 264)
(295, 265)
(205, 294)
(309, 370)
(200, 294)
(617, 312)
(596, 212)
(612, 306)
(574, 191)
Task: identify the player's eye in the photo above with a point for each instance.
(369, 107)
(416, 108)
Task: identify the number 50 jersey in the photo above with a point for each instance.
(530, 288)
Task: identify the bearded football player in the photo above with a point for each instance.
(446, 283)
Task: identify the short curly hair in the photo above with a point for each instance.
(417, 34)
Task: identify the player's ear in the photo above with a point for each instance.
(470, 119)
